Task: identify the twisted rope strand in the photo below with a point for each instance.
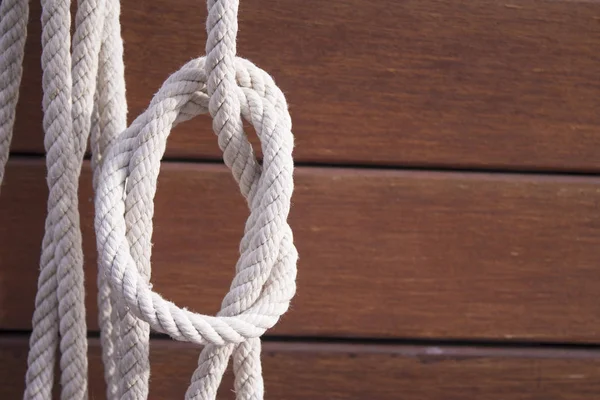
(13, 33)
(68, 109)
(181, 98)
(63, 235)
(224, 105)
(122, 377)
(90, 97)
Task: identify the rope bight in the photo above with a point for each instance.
(84, 99)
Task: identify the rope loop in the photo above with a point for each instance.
(266, 270)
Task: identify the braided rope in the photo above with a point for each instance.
(269, 213)
(61, 276)
(124, 339)
(265, 281)
(13, 33)
(91, 98)
(221, 26)
(265, 273)
(69, 106)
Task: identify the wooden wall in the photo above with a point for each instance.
(447, 204)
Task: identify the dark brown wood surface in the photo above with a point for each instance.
(473, 84)
(506, 260)
(325, 371)
(382, 253)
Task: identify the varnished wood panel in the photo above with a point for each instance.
(325, 371)
(382, 253)
(479, 84)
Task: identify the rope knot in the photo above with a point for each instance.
(265, 280)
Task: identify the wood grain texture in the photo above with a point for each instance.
(382, 253)
(325, 371)
(473, 84)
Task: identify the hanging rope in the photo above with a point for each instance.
(13, 32)
(124, 339)
(68, 105)
(90, 99)
(266, 270)
(59, 309)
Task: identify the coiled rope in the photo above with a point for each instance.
(89, 100)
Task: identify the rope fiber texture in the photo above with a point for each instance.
(13, 33)
(84, 99)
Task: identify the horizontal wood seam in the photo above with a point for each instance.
(17, 156)
(352, 348)
(399, 346)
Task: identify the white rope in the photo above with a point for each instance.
(91, 98)
(13, 32)
(124, 339)
(224, 108)
(265, 282)
(265, 279)
(68, 109)
(59, 306)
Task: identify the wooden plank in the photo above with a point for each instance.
(382, 253)
(326, 371)
(476, 84)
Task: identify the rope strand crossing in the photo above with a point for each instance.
(89, 99)
(266, 270)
